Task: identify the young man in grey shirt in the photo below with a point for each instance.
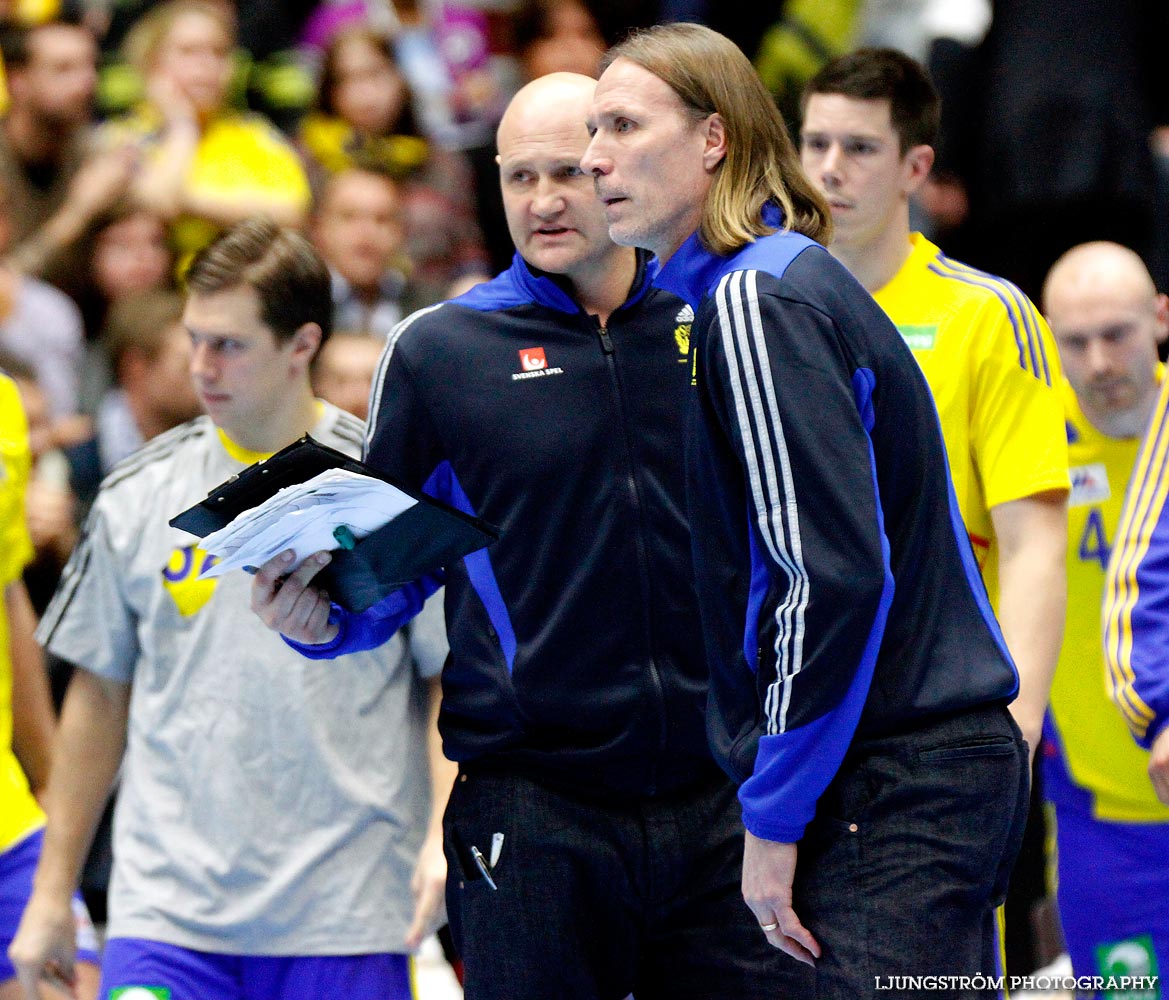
(272, 810)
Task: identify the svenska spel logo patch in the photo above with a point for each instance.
(919, 338)
(140, 993)
(532, 359)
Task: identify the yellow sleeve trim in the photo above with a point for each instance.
(1143, 507)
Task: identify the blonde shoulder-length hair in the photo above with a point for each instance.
(710, 75)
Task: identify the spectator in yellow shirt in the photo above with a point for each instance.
(205, 165)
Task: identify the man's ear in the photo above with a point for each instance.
(1161, 310)
(305, 344)
(918, 162)
(715, 150)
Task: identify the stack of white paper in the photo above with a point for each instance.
(303, 518)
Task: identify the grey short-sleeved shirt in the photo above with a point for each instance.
(270, 804)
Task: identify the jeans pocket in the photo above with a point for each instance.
(968, 748)
(475, 830)
(830, 896)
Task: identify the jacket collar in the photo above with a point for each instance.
(694, 270)
(555, 290)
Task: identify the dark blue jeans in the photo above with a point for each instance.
(599, 898)
(910, 853)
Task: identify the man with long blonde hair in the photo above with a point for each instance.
(859, 680)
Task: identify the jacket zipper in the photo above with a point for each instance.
(643, 558)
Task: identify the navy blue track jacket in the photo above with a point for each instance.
(576, 651)
(851, 606)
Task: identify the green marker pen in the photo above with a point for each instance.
(344, 536)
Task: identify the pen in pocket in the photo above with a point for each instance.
(481, 864)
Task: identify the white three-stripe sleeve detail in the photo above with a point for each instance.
(375, 400)
(795, 608)
(761, 471)
(772, 489)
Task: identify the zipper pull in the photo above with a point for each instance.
(606, 343)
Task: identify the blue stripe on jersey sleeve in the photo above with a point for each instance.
(1146, 698)
(444, 485)
(1006, 305)
(793, 768)
(1135, 615)
(760, 584)
(1019, 309)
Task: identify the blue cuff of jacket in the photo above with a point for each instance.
(779, 799)
(782, 833)
(326, 650)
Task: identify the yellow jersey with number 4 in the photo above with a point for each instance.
(1103, 768)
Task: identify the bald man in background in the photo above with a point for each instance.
(1111, 832)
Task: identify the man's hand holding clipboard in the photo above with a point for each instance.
(289, 602)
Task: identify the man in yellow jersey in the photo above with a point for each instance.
(23, 690)
(1112, 832)
(869, 120)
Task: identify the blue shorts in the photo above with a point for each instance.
(1112, 892)
(136, 969)
(17, 865)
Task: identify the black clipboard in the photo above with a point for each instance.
(418, 541)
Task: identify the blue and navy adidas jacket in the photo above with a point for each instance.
(576, 649)
(851, 607)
